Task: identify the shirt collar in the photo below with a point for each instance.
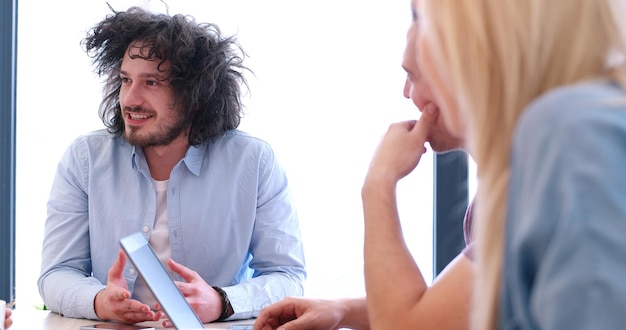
(193, 158)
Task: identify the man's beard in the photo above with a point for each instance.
(167, 132)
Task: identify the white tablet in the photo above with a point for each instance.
(158, 280)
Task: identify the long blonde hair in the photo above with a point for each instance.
(497, 56)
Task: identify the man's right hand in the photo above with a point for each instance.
(114, 303)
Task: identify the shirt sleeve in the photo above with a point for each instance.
(65, 283)
(278, 256)
(564, 261)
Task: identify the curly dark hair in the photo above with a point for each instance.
(206, 67)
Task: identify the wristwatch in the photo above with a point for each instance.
(227, 308)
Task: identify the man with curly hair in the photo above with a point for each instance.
(213, 201)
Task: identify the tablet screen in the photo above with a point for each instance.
(158, 280)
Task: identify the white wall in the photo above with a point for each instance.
(328, 81)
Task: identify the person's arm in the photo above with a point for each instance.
(68, 283)
(276, 245)
(294, 313)
(65, 283)
(397, 294)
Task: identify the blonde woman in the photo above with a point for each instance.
(537, 88)
(398, 296)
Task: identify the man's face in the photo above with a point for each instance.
(147, 99)
(416, 88)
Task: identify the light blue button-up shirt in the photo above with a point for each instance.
(565, 259)
(231, 218)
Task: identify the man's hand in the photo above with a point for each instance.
(205, 301)
(114, 303)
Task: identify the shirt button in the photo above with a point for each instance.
(145, 229)
(132, 271)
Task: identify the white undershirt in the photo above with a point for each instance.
(159, 240)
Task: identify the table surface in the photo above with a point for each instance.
(33, 319)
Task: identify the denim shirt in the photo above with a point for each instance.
(230, 212)
(565, 258)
